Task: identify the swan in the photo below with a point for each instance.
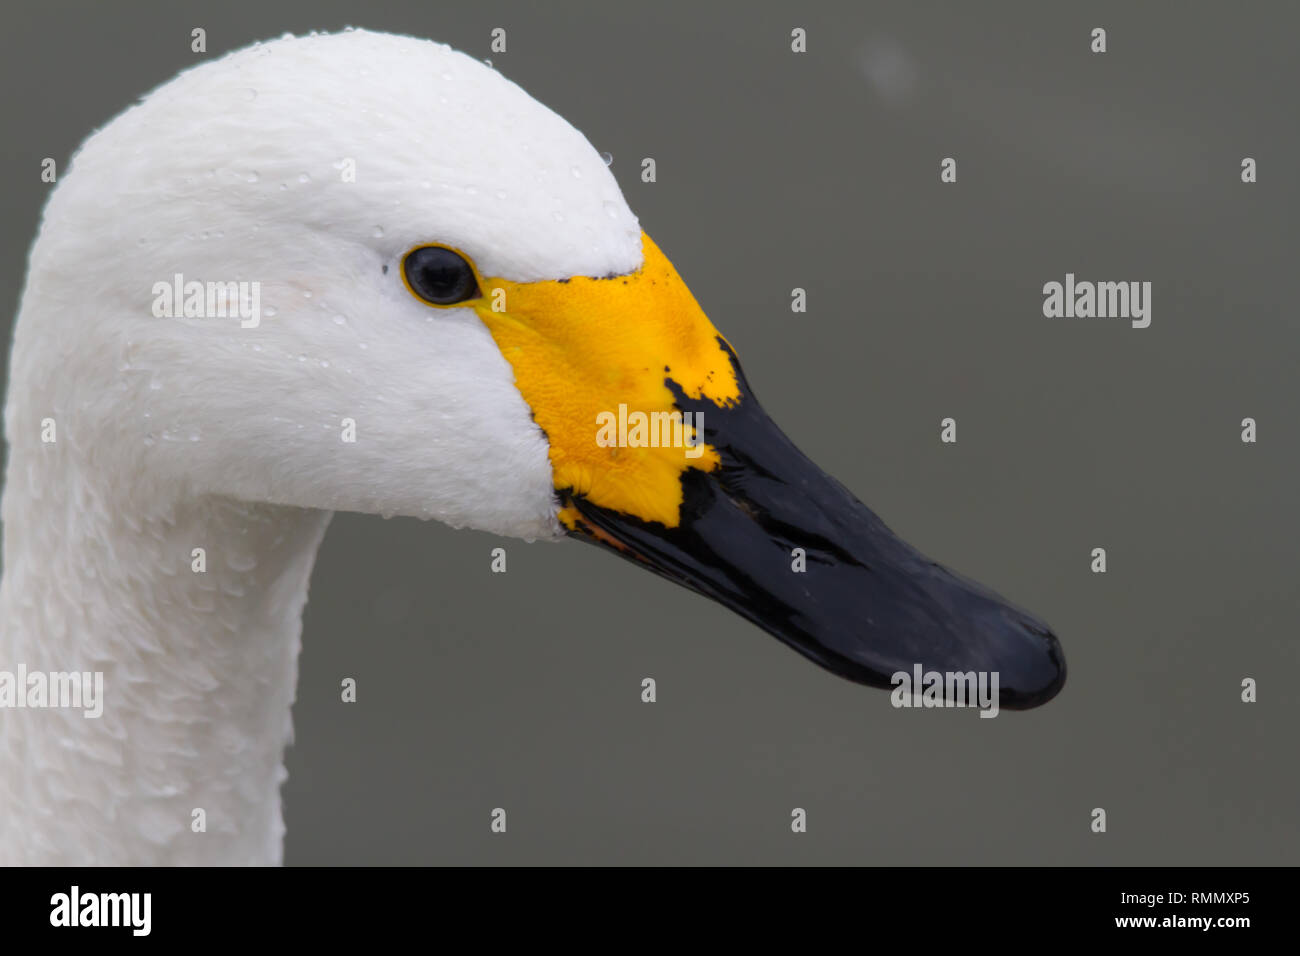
(451, 293)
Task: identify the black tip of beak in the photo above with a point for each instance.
(774, 538)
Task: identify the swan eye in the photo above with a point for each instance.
(439, 275)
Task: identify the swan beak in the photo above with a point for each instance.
(780, 542)
(712, 495)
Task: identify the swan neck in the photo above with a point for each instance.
(190, 609)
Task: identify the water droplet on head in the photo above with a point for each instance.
(302, 358)
(558, 216)
(363, 346)
(446, 74)
(425, 184)
(252, 177)
(248, 94)
(340, 320)
(269, 311)
(306, 293)
(284, 185)
(501, 194)
(471, 190)
(611, 209)
(304, 178)
(607, 158)
(324, 363)
(378, 232)
(577, 173)
(487, 62)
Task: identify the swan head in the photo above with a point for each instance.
(366, 272)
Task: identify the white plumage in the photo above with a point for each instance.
(177, 434)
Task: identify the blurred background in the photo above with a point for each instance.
(821, 170)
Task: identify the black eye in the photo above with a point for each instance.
(439, 275)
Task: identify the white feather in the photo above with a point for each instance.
(175, 434)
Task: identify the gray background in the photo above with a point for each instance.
(821, 170)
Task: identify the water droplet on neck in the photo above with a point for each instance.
(248, 94)
(501, 194)
(340, 320)
(558, 216)
(487, 62)
(252, 177)
(304, 178)
(270, 311)
(378, 232)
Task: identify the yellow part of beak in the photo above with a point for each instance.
(593, 358)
